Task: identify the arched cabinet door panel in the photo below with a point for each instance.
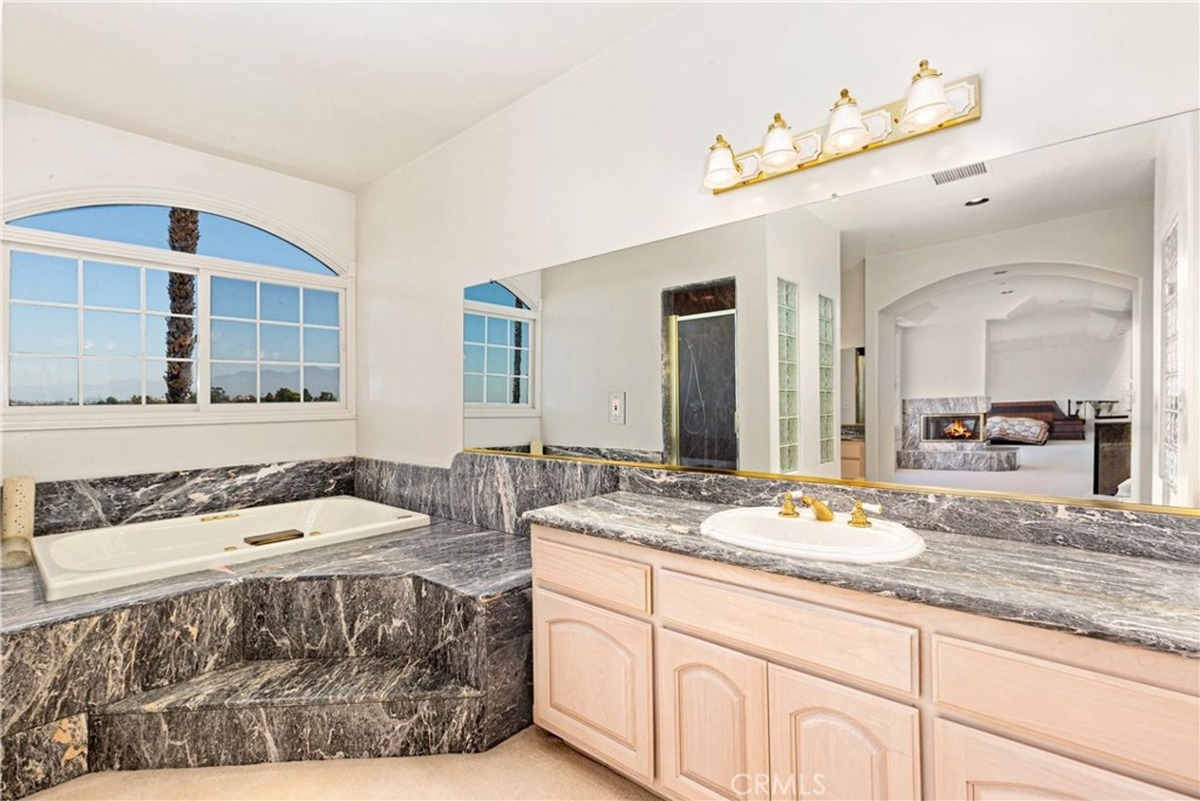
(712, 720)
(974, 765)
(837, 743)
(592, 682)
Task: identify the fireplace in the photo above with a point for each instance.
(951, 427)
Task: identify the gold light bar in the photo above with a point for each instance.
(883, 124)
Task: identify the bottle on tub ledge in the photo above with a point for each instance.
(535, 447)
(16, 522)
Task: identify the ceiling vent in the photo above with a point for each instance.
(958, 173)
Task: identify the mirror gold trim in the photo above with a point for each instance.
(1087, 503)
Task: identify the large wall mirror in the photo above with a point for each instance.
(1019, 325)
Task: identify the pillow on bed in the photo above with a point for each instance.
(1024, 430)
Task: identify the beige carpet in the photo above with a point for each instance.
(530, 765)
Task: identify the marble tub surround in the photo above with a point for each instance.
(93, 503)
(409, 486)
(484, 489)
(991, 459)
(446, 610)
(1131, 533)
(1129, 600)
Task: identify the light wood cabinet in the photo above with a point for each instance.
(840, 744)
(854, 459)
(593, 680)
(712, 720)
(707, 681)
(974, 766)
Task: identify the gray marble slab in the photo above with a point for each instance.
(854, 432)
(254, 735)
(493, 491)
(1117, 531)
(409, 486)
(43, 756)
(1142, 602)
(463, 557)
(53, 671)
(92, 503)
(994, 458)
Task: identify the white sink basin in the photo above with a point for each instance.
(760, 528)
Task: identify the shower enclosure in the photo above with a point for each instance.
(703, 390)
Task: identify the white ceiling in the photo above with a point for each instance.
(1106, 171)
(338, 93)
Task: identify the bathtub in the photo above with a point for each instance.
(78, 562)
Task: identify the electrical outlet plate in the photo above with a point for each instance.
(616, 408)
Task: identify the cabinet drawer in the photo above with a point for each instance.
(608, 580)
(848, 645)
(853, 449)
(1118, 719)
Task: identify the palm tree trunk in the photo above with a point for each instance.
(183, 236)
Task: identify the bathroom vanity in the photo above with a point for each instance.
(709, 671)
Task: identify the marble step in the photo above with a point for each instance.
(288, 710)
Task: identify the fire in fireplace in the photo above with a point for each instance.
(952, 427)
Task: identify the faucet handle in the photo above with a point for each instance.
(789, 506)
(858, 517)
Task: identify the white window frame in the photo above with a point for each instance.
(203, 412)
(510, 410)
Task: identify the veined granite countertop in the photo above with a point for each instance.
(474, 561)
(1131, 600)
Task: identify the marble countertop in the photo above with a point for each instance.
(1125, 599)
(468, 559)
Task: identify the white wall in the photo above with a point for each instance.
(54, 161)
(1048, 357)
(1177, 197)
(610, 154)
(1117, 241)
(805, 251)
(944, 361)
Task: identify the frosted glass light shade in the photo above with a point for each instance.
(846, 129)
(721, 170)
(925, 104)
(778, 149)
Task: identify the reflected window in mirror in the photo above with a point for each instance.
(498, 348)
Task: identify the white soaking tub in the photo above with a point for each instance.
(78, 562)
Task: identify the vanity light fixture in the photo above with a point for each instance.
(846, 129)
(926, 104)
(929, 105)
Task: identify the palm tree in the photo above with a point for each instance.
(183, 236)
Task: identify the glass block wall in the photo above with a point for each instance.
(1172, 402)
(826, 375)
(789, 401)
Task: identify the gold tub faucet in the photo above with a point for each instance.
(820, 510)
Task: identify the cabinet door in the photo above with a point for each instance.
(837, 743)
(970, 764)
(713, 720)
(592, 681)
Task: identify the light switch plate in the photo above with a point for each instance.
(616, 408)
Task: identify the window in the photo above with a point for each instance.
(103, 321)
(498, 348)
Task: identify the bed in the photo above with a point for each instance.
(1060, 425)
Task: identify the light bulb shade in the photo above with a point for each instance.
(721, 170)
(925, 104)
(778, 149)
(846, 129)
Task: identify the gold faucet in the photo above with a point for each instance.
(820, 510)
(858, 518)
(789, 506)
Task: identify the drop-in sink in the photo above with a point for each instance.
(760, 528)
